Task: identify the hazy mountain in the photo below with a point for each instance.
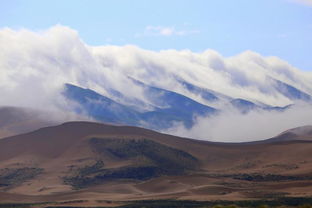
(168, 107)
(15, 120)
(291, 92)
(303, 133)
(100, 107)
(160, 109)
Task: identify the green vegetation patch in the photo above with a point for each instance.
(15, 176)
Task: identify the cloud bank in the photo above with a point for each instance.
(233, 126)
(165, 31)
(34, 65)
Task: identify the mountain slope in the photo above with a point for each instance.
(206, 94)
(88, 161)
(169, 107)
(291, 92)
(173, 106)
(100, 107)
(161, 109)
(303, 133)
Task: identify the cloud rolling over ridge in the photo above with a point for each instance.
(34, 66)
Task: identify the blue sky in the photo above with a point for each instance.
(281, 28)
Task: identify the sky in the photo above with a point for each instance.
(280, 28)
(236, 48)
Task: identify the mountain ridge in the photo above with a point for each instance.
(169, 108)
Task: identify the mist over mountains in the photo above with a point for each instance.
(200, 95)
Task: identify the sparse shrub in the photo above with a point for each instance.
(152, 159)
(218, 206)
(14, 176)
(305, 206)
(231, 206)
(263, 206)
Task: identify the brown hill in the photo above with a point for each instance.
(96, 162)
(303, 133)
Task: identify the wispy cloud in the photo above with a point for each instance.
(304, 2)
(165, 31)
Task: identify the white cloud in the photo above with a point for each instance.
(35, 65)
(165, 31)
(232, 126)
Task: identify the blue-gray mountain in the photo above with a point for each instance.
(169, 107)
(291, 92)
(165, 107)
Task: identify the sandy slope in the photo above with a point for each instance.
(59, 148)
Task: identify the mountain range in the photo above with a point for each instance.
(162, 108)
